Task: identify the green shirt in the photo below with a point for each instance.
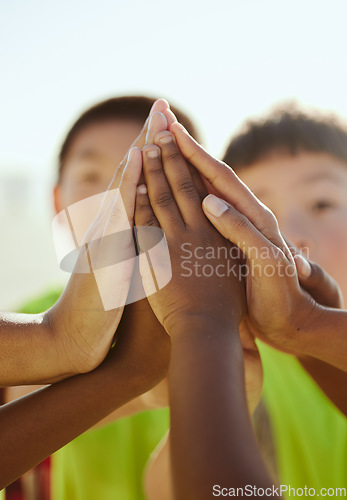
(105, 463)
(310, 432)
(310, 438)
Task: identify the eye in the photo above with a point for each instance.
(322, 205)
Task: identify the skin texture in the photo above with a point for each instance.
(308, 193)
(249, 223)
(318, 283)
(88, 170)
(72, 406)
(209, 414)
(137, 363)
(201, 239)
(62, 341)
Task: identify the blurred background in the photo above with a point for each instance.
(220, 61)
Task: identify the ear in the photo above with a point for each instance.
(57, 198)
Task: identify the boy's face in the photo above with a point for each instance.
(92, 159)
(308, 195)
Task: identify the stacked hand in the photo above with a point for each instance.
(285, 292)
(171, 200)
(80, 327)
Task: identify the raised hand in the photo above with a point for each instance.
(182, 178)
(74, 336)
(200, 308)
(173, 203)
(279, 309)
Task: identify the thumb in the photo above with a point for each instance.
(318, 283)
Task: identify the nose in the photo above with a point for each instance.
(297, 228)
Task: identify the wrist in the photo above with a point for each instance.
(311, 324)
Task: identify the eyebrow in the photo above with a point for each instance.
(319, 176)
(89, 153)
(316, 177)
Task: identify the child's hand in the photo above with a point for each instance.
(84, 320)
(317, 282)
(279, 310)
(173, 203)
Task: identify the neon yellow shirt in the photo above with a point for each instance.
(310, 432)
(105, 463)
(310, 438)
(109, 462)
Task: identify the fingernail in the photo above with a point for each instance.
(166, 102)
(153, 107)
(303, 266)
(214, 205)
(166, 139)
(131, 154)
(142, 189)
(152, 153)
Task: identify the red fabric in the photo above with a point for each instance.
(41, 478)
(39, 484)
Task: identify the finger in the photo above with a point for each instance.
(145, 220)
(112, 235)
(159, 192)
(239, 230)
(157, 123)
(179, 177)
(147, 227)
(200, 183)
(230, 187)
(129, 182)
(144, 215)
(138, 143)
(208, 186)
(170, 117)
(315, 280)
(160, 105)
(318, 283)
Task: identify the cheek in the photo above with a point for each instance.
(75, 192)
(330, 250)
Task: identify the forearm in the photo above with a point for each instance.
(127, 410)
(212, 438)
(36, 425)
(29, 353)
(324, 337)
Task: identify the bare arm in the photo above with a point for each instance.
(36, 425)
(75, 335)
(301, 326)
(212, 439)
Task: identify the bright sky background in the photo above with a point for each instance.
(221, 61)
